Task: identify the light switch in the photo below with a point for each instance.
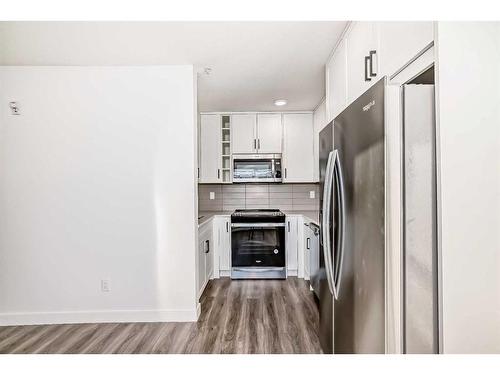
(212, 195)
(312, 194)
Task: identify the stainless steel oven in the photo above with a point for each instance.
(257, 168)
(258, 244)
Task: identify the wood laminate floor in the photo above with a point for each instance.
(244, 316)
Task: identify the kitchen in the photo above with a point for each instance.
(281, 204)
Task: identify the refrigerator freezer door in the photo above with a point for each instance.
(359, 310)
(420, 268)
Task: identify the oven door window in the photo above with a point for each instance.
(258, 247)
(254, 169)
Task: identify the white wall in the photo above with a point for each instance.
(97, 181)
(468, 83)
(319, 122)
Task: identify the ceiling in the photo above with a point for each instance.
(252, 63)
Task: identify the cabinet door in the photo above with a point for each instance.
(298, 152)
(225, 248)
(209, 257)
(269, 133)
(201, 265)
(308, 238)
(336, 82)
(400, 42)
(291, 243)
(243, 137)
(361, 39)
(210, 148)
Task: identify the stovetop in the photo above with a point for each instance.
(258, 216)
(263, 212)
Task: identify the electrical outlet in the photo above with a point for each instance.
(212, 195)
(312, 194)
(105, 285)
(14, 108)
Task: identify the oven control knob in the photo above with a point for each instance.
(276, 251)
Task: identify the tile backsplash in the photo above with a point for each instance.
(296, 197)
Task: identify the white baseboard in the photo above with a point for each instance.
(116, 316)
(292, 272)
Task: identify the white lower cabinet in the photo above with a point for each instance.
(222, 255)
(215, 248)
(291, 244)
(205, 256)
(308, 238)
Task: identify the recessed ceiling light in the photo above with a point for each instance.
(280, 102)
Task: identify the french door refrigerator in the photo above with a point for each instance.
(352, 285)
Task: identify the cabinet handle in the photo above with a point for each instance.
(227, 227)
(258, 144)
(367, 58)
(255, 144)
(285, 172)
(288, 224)
(218, 173)
(207, 242)
(308, 243)
(372, 53)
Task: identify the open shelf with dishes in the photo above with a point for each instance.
(226, 148)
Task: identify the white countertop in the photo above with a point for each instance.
(204, 216)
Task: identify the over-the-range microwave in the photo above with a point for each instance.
(257, 168)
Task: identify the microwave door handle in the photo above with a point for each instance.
(325, 232)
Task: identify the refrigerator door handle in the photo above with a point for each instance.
(341, 222)
(327, 194)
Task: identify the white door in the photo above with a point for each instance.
(210, 148)
(269, 133)
(336, 82)
(291, 244)
(361, 39)
(243, 133)
(400, 42)
(298, 151)
(225, 248)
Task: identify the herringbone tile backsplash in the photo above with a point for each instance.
(289, 197)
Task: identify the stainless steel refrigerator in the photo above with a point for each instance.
(351, 275)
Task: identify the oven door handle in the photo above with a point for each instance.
(257, 225)
(255, 269)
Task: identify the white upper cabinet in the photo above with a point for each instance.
(400, 42)
(243, 133)
(269, 133)
(298, 147)
(336, 81)
(319, 122)
(362, 62)
(210, 140)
